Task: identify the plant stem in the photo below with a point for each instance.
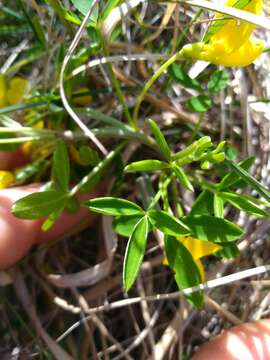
(159, 193)
(150, 82)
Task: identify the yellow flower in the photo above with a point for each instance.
(232, 44)
(3, 91)
(6, 178)
(12, 93)
(198, 249)
(16, 91)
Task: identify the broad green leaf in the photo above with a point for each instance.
(218, 206)
(160, 139)
(250, 180)
(134, 252)
(200, 103)
(218, 81)
(210, 228)
(114, 206)
(244, 203)
(39, 204)
(178, 73)
(146, 165)
(124, 225)
(61, 166)
(182, 177)
(229, 251)
(203, 205)
(167, 223)
(232, 177)
(187, 273)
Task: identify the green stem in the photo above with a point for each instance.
(178, 208)
(159, 193)
(150, 82)
(170, 61)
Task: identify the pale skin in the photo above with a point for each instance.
(249, 341)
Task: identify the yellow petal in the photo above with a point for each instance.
(199, 248)
(243, 56)
(16, 91)
(3, 92)
(6, 178)
(165, 262)
(235, 32)
(27, 147)
(213, 53)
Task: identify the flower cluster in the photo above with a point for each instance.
(232, 44)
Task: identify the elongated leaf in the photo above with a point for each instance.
(250, 180)
(187, 273)
(61, 167)
(114, 206)
(228, 251)
(182, 177)
(213, 229)
(134, 252)
(168, 224)
(146, 165)
(160, 139)
(124, 225)
(244, 203)
(39, 204)
(203, 205)
(218, 205)
(232, 177)
(62, 12)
